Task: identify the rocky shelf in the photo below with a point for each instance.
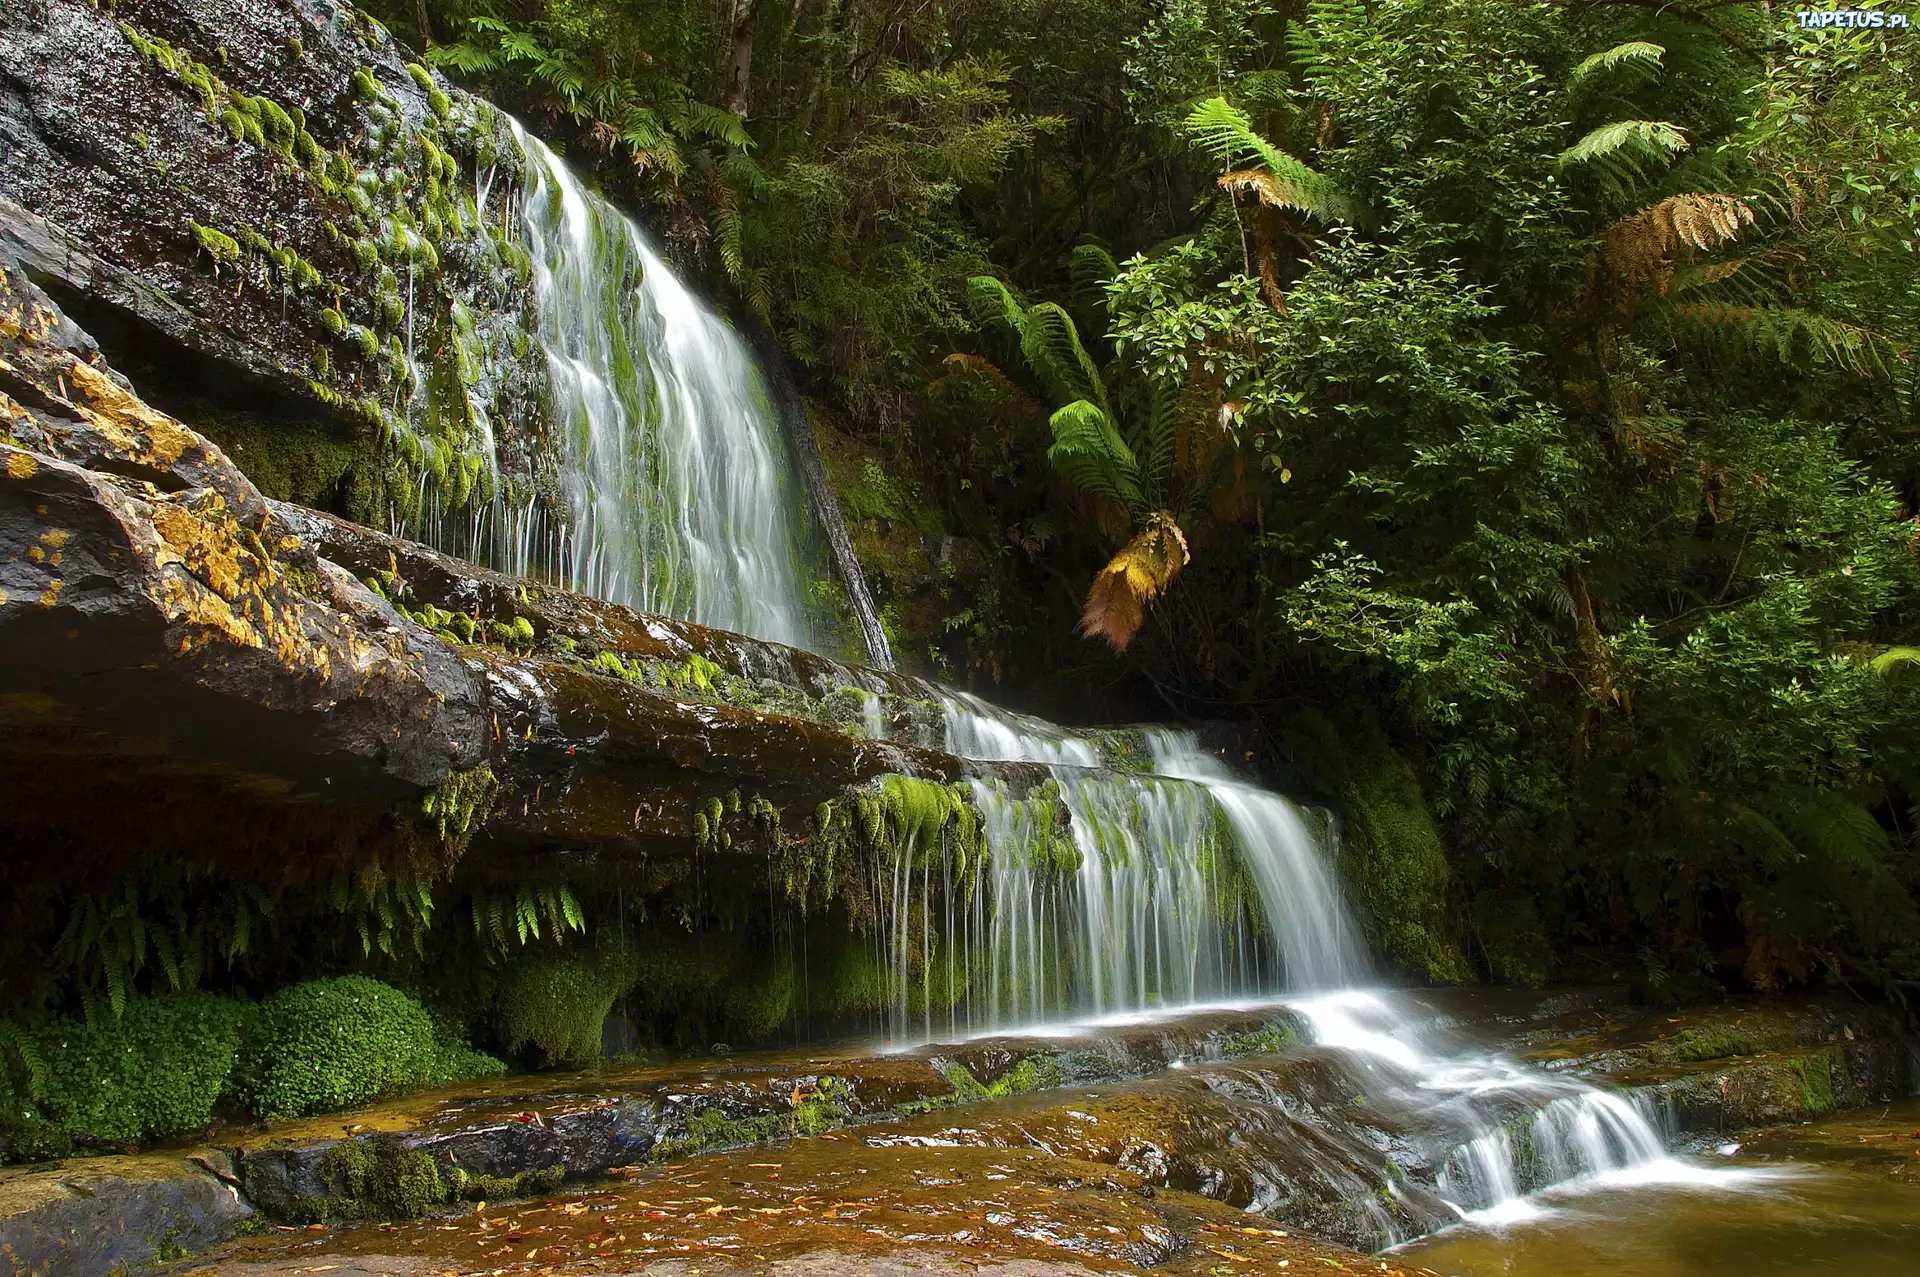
(1233, 1106)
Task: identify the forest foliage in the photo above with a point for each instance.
(1530, 382)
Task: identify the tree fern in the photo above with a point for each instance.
(1089, 453)
(1049, 341)
(1225, 133)
(1626, 138)
(1786, 333)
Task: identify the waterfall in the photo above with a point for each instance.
(1174, 886)
(674, 478)
(677, 486)
(1170, 883)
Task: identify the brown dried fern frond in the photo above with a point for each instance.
(1642, 249)
(1139, 573)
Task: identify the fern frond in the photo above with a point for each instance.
(1636, 53)
(1225, 133)
(1893, 658)
(1092, 268)
(1089, 453)
(1139, 573)
(1787, 332)
(1626, 137)
(1048, 340)
(1643, 248)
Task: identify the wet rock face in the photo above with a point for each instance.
(170, 639)
(148, 600)
(265, 204)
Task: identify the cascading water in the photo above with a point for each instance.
(1185, 886)
(679, 496)
(678, 493)
(1171, 885)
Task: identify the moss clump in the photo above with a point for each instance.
(333, 1044)
(219, 245)
(1035, 1073)
(1713, 1042)
(1394, 854)
(458, 806)
(554, 1003)
(503, 1188)
(378, 1178)
(1270, 1040)
(1815, 1073)
(155, 1072)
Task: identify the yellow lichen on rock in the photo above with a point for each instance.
(126, 420)
(22, 465)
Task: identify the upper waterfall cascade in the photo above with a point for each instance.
(677, 490)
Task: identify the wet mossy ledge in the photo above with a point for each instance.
(275, 191)
(262, 790)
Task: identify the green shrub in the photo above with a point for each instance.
(155, 1073)
(333, 1044)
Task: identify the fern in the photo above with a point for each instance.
(1634, 53)
(1626, 138)
(1089, 453)
(1048, 340)
(1228, 136)
(1787, 332)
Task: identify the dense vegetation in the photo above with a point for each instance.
(1506, 406)
(1528, 385)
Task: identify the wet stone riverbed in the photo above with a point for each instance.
(831, 1204)
(1274, 1141)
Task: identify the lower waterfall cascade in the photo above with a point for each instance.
(1137, 931)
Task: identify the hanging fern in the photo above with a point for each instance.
(1626, 138)
(1640, 54)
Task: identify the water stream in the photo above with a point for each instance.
(1174, 883)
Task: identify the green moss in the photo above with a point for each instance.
(367, 342)
(365, 87)
(1270, 1040)
(458, 806)
(1815, 1073)
(378, 1177)
(333, 1044)
(219, 245)
(505, 1188)
(1713, 1042)
(1393, 853)
(334, 321)
(155, 1072)
(1031, 1074)
(554, 1002)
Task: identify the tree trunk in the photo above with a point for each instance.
(426, 24)
(743, 29)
